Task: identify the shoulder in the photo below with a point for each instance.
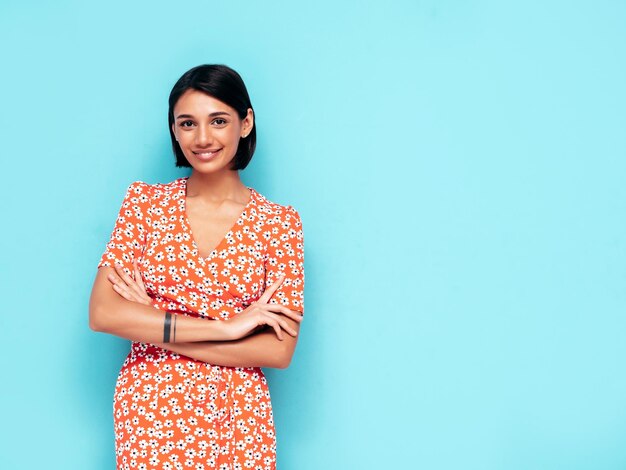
(286, 214)
(138, 188)
(137, 194)
(154, 190)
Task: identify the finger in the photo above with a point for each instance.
(285, 326)
(123, 292)
(271, 289)
(122, 288)
(114, 278)
(293, 314)
(122, 274)
(273, 317)
(274, 324)
(138, 278)
(130, 283)
(119, 273)
(128, 294)
(141, 285)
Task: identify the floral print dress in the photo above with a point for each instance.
(171, 411)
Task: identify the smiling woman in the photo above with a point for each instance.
(221, 93)
(206, 277)
(208, 137)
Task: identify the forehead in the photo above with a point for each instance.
(198, 102)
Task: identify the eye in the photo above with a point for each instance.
(221, 123)
(183, 123)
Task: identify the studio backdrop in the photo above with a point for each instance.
(459, 168)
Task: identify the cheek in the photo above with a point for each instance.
(231, 133)
(184, 138)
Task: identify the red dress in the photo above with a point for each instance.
(174, 412)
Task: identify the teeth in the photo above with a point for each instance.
(206, 154)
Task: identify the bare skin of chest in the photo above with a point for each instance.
(210, 223)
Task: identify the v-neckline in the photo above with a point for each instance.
(187, 224)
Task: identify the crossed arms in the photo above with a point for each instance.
(263, 335)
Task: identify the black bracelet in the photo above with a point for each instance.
(166, 329)
(175, 317)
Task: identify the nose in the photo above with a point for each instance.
(203, 136)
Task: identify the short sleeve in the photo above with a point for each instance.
(286, 255)
(128, 238)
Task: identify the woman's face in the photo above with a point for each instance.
(208, 130)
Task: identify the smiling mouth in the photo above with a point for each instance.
(207, 154)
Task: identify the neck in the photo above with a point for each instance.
(217, 186)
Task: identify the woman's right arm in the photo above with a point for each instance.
(111, 313)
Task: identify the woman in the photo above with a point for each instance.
(191, 392)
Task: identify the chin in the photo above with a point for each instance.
(211, 166)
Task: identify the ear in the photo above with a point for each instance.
(174, 131)
(248, 121)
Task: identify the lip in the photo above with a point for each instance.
(206, 158)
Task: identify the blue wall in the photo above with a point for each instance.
(460, 170)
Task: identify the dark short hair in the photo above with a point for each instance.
(222, 83)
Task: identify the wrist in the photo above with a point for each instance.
(220, 330)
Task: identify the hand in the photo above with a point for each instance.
(262, 313)
(129, 288)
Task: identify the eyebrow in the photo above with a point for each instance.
(216, 113)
